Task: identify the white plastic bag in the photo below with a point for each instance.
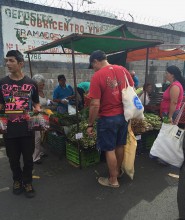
(132, 105)
(168, 145)
(142, 98)
(71, 109)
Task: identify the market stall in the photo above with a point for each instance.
(117, 40)
(153, 109)
(155, 53)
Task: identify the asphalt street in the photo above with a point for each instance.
(65, 192)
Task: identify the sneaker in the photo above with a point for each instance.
(17, 187)
(29, 192)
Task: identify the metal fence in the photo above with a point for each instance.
(91, 7)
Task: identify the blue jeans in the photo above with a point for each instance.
(111, 132)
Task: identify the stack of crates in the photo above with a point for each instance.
(89, 156)
(140, 147)
(145, 141)
(56, 142)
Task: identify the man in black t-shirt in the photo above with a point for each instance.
(18, 94)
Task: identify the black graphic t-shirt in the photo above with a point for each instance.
(18, 97)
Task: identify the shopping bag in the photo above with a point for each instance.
(129, 153)
(168, 145)
(3, 123)
(71, 109)
(144, 98)
(132, 105)
(37, 121)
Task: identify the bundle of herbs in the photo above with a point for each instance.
(85, 141)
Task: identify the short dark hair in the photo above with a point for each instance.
(17, 54)
(146, 85)
(61, 77)
(97, 55)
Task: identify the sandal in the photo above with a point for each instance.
(105, 182)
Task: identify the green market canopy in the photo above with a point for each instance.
(116, 40)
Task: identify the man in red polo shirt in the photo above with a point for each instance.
(106, 105)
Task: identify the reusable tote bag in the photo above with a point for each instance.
(168, 145)
(132, 105)
(129, 153)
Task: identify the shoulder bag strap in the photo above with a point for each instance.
(126, 79)
(176, 121)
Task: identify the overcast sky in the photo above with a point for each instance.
(156, 11)
(151, 12)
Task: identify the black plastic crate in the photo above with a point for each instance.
(56, 142)
(148, 139)
(145, 141)
(140, 148)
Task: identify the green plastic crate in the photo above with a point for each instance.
(88, 156)
(56, 142)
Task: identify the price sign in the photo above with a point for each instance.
(138, 137)
(79, 135)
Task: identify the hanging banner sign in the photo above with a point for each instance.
(26, 29)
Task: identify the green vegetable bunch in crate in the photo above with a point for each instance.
(84, 113)
(86, 142)
(88, 156)
(154, 120)
(56, 142)
(63, 119)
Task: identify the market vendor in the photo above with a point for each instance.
(135, 79)
(145, 93)
(63, 95)
(83, 89)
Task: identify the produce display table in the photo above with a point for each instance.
(56, 137)
(81, 151)
(62, 140)
(146, 131)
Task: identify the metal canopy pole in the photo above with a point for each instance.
(146, 73)
(30, 65)
(76, 101)
(75, 85)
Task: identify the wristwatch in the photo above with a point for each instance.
(89, 126)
